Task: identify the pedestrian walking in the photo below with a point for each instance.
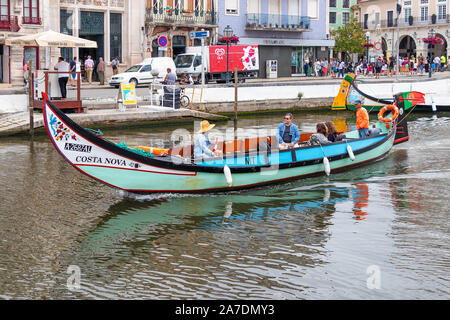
(341, 68)
(101, 71)
(63, 77)
(72, 68)
(325, 67)
(89, 65)
(115, 65)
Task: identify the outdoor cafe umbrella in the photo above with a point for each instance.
(51, 39)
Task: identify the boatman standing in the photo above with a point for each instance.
(362, 120)
(288, 134)
(202, 144)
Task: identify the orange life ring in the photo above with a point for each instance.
(395, 114)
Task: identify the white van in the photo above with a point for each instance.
(142, 72)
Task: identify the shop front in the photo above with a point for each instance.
(291, 54)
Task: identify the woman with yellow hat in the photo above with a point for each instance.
(202, 143)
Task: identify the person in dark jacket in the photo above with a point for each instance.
(333, 135)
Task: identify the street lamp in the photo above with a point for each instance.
(431, 35)
(228, 32)
(367, 47)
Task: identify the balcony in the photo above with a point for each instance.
(276, 22)
(9, 23)
(31, 20)
(416, 22)
(180, 18)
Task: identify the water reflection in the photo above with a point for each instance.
(361, 201)
(296, 240)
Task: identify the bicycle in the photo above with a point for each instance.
(184, 99)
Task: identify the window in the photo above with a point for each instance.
(332, 3)
(332, 17)
(313, 11)
(31, 12)
(232, 7)
(4, 9)
(346, 4)
(390, 19)
(423, 1)
(442, 12)
(407, 3)
(115, 40)
(146, 68)
(407, 14)
(366, 20)
(377, 19)
(345, 17)
(424, 13)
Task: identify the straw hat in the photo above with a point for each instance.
(205, 126)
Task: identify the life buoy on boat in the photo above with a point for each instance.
(395, 114)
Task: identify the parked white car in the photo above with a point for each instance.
(142, 72)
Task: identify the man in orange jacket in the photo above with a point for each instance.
(362, 120)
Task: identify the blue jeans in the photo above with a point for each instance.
(341, 71)
(363, 132)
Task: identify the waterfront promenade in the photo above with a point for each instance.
(254, 96)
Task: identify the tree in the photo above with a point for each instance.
(349, 38)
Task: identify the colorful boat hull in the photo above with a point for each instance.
(128, 170)
(349, 93)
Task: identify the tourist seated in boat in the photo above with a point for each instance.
(333, 135)
(202, 144)
(319, 138)
(288, 134)
(362, 120)
(374, 131)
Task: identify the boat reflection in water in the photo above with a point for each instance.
(193, 236)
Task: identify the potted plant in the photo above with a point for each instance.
(410, 20)
(433, 18)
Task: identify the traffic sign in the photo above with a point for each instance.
(162, 41)
(199, 34)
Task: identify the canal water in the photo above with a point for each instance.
(376, 232)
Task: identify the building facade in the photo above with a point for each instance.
(340, 12)
(174, 20)
(285, 30)
(116, 25)
(417, 18)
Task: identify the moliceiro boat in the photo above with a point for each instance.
(245, 163)
(349, 93)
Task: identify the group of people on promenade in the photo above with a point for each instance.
(70, 70)
(406, 65)
(323, 67)
(288, 133)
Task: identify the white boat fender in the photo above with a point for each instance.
(433, 104)
(350, 152)
(228, 177)
(326, 164)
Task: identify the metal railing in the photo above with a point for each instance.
(180, 17)
(9, 23)
(276, 21)
(416, 21)
(31, 20)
